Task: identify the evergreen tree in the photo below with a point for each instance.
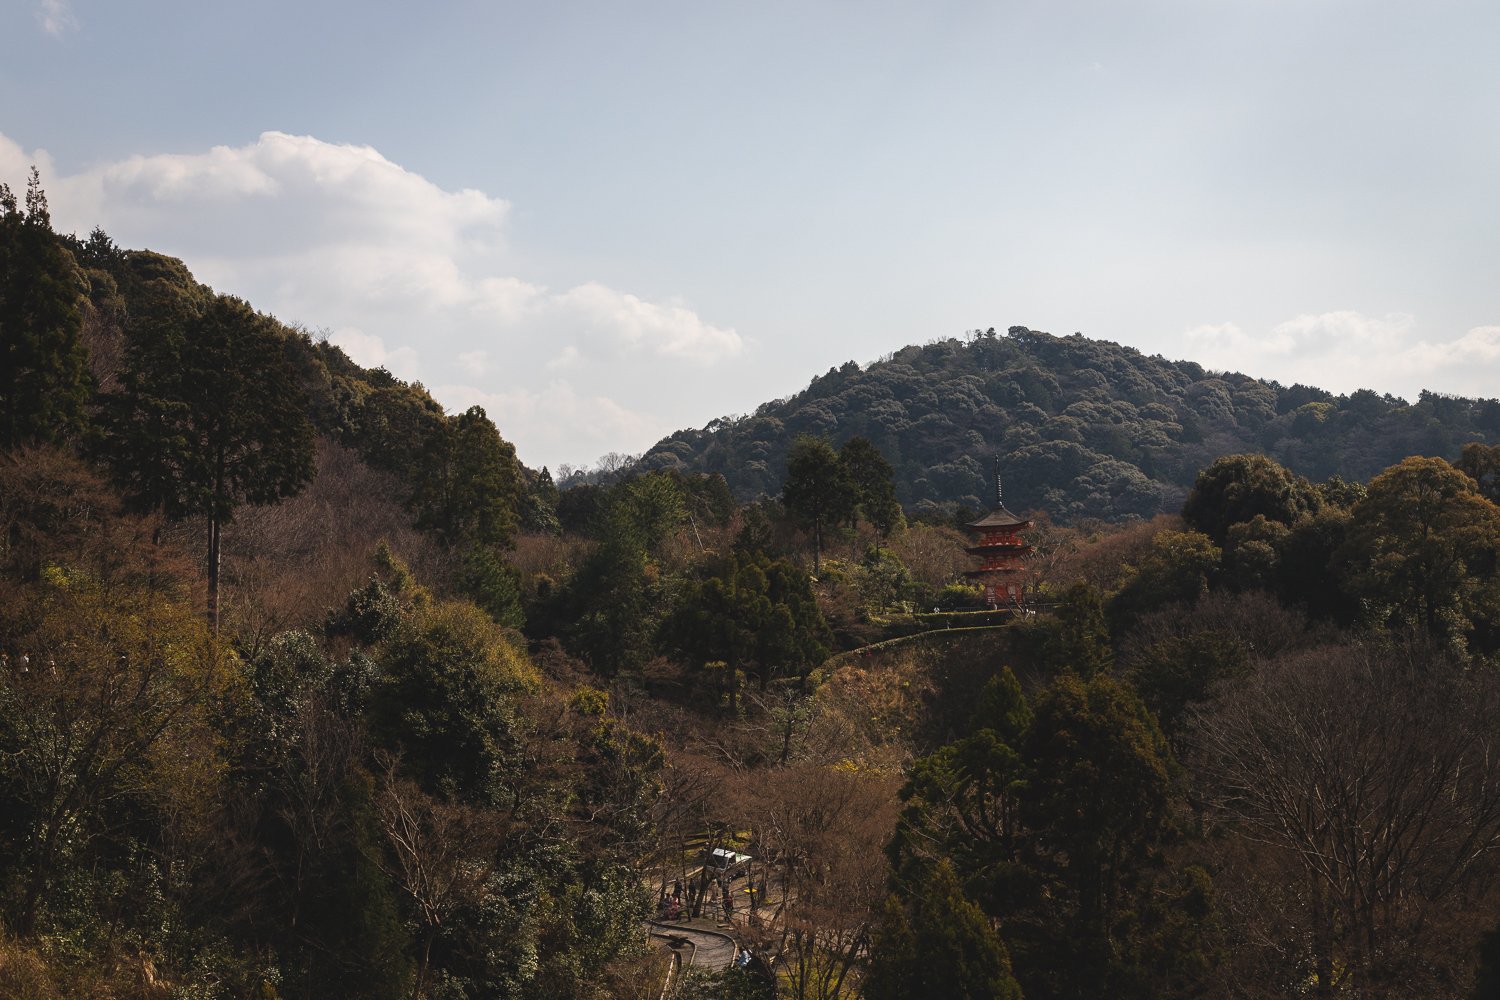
(1422, 551)
(752, 613)
(1080, 636)
(471, 483)
(44, 381)
(938, 945)
(817, 492)
(1236, 488)
(870, 477)
(211, 417)
(1095, 801)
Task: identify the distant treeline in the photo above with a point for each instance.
(1085, 428)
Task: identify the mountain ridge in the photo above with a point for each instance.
(1084, 427)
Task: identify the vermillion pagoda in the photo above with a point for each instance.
(997, 542)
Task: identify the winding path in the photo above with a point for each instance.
(708, 949)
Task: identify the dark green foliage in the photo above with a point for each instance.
(614, 602)
(348, 942)
(445, 702)
(1087, 428)
(1237, 488)
(962, 801)
(538, 507)
(1308, 573)
(708, 498)
(1481, 463)
(939, 944)
(393, 424)
(1079, 639)
(612, 608)
(44, 381)
(623, 773)
(1056, 819)
(731, 984)
(753, 613)
(470, 483)
(1252, 553)
(869, 477)
(580, 508)
(1422, 549)
(370, 614)
(817, 494)
(1339, 493)
(1097, 785)
(492, 584)
(1179, 568)
(1179, 671)
(211, 415)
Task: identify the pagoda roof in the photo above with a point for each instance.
(998, 518)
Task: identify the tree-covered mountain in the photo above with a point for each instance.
(1083, 428)
(457, 734)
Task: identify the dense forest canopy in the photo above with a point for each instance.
(1085, 428)
(425, 725)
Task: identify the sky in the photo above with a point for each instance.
(603, 222)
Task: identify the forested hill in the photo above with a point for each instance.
(126, 330)
(1085, 428)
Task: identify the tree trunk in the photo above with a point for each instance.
(214, 529)
(213, 573)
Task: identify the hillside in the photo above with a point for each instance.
(450, 733)
(1084, 428)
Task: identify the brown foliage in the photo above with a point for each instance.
(932, 554)
(1370, 777)
(825, 829)
(286, 565)
(56, 512)
(1101, 556)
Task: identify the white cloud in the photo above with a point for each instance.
(337, 235)
(56, 17)
(371, 351)
(476, 363)
(672, 329)
(568, 426)
(1345, 350)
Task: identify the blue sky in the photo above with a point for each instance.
(607, 221)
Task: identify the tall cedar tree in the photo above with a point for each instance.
(817, 492)
(211, 417)
(869, 476)
(44, 382)
(472, 483)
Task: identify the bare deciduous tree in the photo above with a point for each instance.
(442, 855)
(1377, 773)
(826, 828)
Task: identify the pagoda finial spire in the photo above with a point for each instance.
(999, 490)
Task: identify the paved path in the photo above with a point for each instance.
(710, 948)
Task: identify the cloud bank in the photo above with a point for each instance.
(402, 273)
(1344, 350)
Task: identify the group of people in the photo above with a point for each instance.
(672, 907)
